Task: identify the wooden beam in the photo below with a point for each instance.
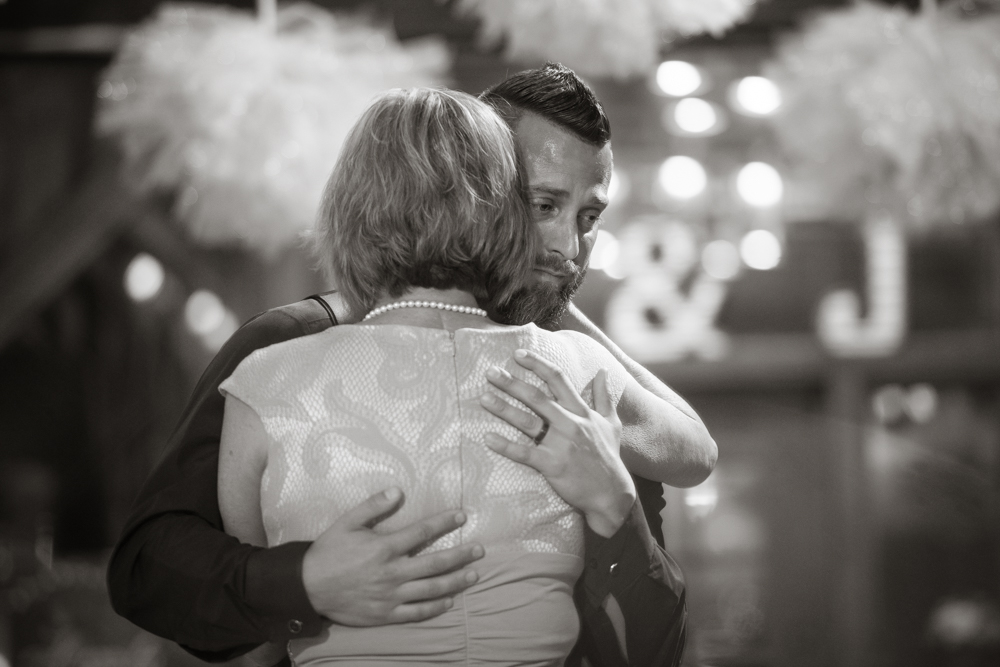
(65, 242)
(96, 39)
(851, 607)
(798, 360)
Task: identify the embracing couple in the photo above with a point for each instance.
(444, 461)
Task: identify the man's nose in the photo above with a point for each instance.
(560, 236)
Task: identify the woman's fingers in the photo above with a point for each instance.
(528, 423)
(552, 376)
(566, 399)
(602, 399)
(531, 456)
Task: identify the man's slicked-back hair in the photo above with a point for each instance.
(555, 93)
(427, 192)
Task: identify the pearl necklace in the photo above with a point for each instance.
(468, 310)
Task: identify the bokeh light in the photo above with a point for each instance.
(617, 187)
(921, 403)
(678, 78)
(760, 184)
(143, 277)
(761, 250)
(695, 115)
(217, 337)
(604, 256)
(961, 623)
(682, 177)
(701, 500)
(720, 259)
(204, 312)
(756, 96)
(889, 403)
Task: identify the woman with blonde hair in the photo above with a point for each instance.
(423, 222)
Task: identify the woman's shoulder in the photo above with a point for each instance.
(531, 336)
(567, 339)
(272, 326)
(581, 357)
(304, 349)
(280, 362)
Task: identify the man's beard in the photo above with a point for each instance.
(542, 302)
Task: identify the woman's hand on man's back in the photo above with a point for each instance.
(578, 452)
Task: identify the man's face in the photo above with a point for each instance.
(568, 190)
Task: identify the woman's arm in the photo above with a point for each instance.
(242, 458)
(174, 572)
(663, 439)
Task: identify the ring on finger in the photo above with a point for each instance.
(541, 434)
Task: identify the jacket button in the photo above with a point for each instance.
(611, 570)
(295, 626)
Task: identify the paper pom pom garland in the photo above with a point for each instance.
(243, 120)
(695, 17)
(616, 38)
(594, 37)
(895, 113)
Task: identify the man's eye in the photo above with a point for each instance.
(542, 207)
(590, 220)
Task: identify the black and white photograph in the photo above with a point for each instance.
(500, 333)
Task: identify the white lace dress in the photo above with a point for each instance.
(355, 409)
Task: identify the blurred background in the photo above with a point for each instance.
(803, 240)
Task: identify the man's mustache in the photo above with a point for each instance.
(562, 267)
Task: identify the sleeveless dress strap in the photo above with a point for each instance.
(318, 298)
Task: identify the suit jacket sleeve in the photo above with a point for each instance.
(646, 583)
(174, 572)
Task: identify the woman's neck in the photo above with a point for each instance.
(455, 297)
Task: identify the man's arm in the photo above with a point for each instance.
(663, 439)
(631, 594)
(175, 573)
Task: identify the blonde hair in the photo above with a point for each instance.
(427, 192)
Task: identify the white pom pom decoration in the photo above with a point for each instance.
(895, 113)
(600, 38)
(243, 119)
(695, 17)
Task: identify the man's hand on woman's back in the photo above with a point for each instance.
(355, 576)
